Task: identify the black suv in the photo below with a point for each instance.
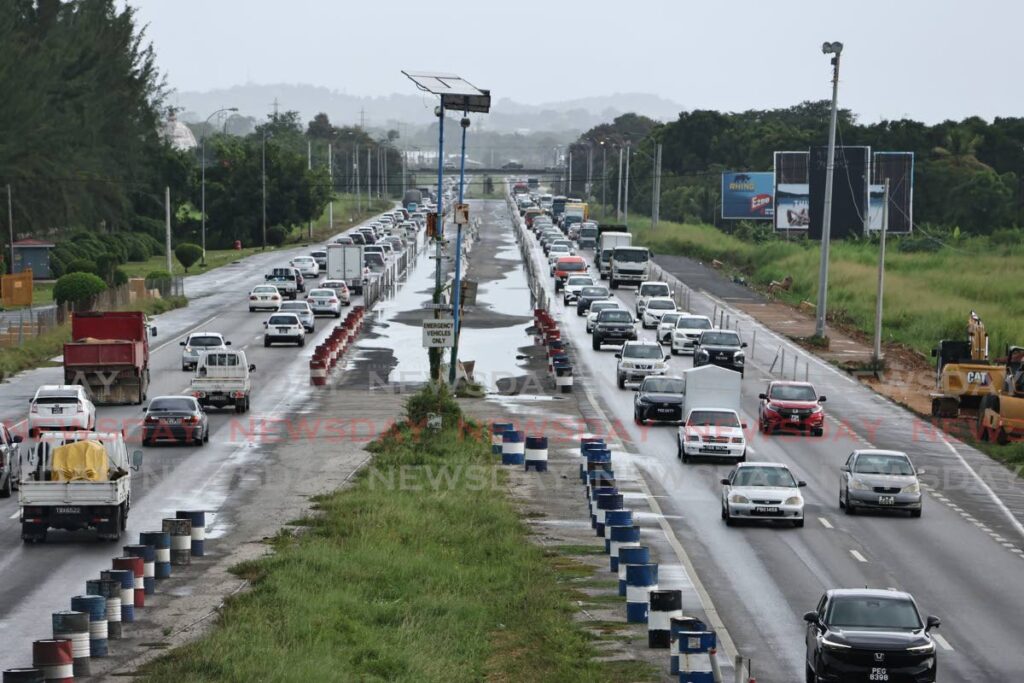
(659, 399)
(722, 348)
(589, 295)
(869, 635)
(614, 325)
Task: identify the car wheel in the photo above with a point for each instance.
(252, 310)
(5, 490)
(197, 439)
(184, 368)
(743, 458)
(913, 513)
(849, 507)
(639, 420)
(302, 341)
(729, 520)
(613, 284)
(809, 676)
(338, 314)
(206, 433)
(621, 381)
(596, 343)
(798, 523)
(674, 352)
(818, 432)
(266, 342)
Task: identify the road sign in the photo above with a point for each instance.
(462, 214)
(438, 333)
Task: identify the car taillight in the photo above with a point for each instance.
(333, 301)
(191, 420)
(79, 408)
(199, 394)
(35, 408)
(150, 419)
(254, 298)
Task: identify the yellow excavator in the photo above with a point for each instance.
(964, 374)
(1001, 415)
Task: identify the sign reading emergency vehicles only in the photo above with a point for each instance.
(438, 333)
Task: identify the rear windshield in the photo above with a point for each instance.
(51, 399)
(615, 316)
(694, 323)
(171, 404)
(580, 280)
(588, 232)
(602, 305)
(221, 360)
(265, 290)
(594, 291)
(661, 305)
(205, 341)
(283, 320)
(295, 306)
(713, 418)
(571, 265)
(321, 292)
(669, 319)
(663, 385)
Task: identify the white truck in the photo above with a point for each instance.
(345, 262)
(222, 379)
(9, 450)
(629, 266)
(607, 241)
(76, 480)
(711, 407)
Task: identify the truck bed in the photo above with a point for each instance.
(212, 385)
(104, 353)
(77, 493)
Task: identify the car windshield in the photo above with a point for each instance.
(872, 612)
(764, 476)
(283, 320)
(661, 305)
(588, 232)
(559, 248)
(580, 280)
(594, 292)
(642, 351)
(631, 255)
(295, 306)
(571, 265)
(713, 418)
(693, 323)
(172, 404)
(615, 316)
(870, 463)
(720, 339)
(663, 385)
(793, 392)
(669, 319)
(204, 340)
(659, 289)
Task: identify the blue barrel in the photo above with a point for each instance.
(597, 480)
(513, 447)
(595, 454)
(690, 654)
(641, 579)
(198, 519)
(593, 500)
(74, 626)
(126, 579)
(110, 591)
(536, 453)
(678, 626)
(627, 556)
(665, 605)
(591, 443)
(24, 675)
(622, 536)
(497, 429)
(96, 607)
(148, 555)
(161, 542)
(605, 502)
(615, 518)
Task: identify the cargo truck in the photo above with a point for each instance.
(345, 262)
(606, 242)
(109, 355)
(629, 266)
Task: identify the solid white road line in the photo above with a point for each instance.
(857, 556)
(15, 515)
(943, 643)
(825, 523)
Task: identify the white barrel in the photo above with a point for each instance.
(639, 593)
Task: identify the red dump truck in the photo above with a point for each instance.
(109, 355)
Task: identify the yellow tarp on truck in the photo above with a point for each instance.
(80, 461)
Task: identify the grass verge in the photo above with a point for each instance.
(420, 571)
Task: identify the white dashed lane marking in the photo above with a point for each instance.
(857, 556)
(825, 523)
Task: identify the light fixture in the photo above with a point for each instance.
(831, 48)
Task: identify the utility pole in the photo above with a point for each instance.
(355, 170)
(206, 125)
(10, 226)
(881, 276)
(618, 199)
(264, 188)
(625, 196)
(590, 168)
(834, 49)
(436, 354)
(330, 174)
(457, 284)
(309, 166)
(569, 192)
(656, 200)
(167, 226)
(369, 170)
(604, 178)
(404, 173)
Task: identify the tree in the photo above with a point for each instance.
(78, 289)
(188, 254)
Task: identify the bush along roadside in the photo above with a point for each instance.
(420, 570)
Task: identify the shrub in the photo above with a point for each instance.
(188, 254)
(433, 398)
(78, 289)
(158, 275)
(80, 265)
(137, 251)
(120, 277)
(276, 236)
(1006, 237)
(106, 264)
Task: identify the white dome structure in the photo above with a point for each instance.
(178, 135)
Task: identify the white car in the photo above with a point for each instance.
(668, 323)
(264, 297)
(573, 285)
(302, 311)
(323, 301)
(687, 331)
(307, 265)
(656, 307)
(59, 407)
(556, 252)
(340, 288)
(637, 360)
(320, 256)
(198, 343)
(647, 290)
(284, 328)
(596, 308)
(712, 433)
(762, 490)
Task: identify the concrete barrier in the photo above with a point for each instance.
(513, 448)
(628, 555)
(96, 607)
(54, 658)
(126, 580)
(536, 453)
(161, 542)
(665, 605)
(641, 579)
(74, 626)
(198, 519)
(110, 591)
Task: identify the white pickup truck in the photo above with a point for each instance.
(223, 379)
(76, 480)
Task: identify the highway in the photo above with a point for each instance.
(962, 559)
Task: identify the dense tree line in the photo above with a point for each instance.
(967, 173)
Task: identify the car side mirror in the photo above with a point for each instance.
(668, 357)
(811, 617)
(17, 438)
(932, 622)
(821, 399)
(136, 460)
(743, 425)
(618, 355)
(264, 323)
(801, 484)
(152, 331)
(725, 482)
(844, 468)
(181, 343)
(743, 345)
(227, 343)
(763, 397)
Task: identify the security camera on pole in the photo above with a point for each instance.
(834, 49)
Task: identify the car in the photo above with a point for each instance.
(762, 490)
(656, 307)
(567, 242)
(589, 295)
(397, 243)
(374, 261)
(264, 297)
(555, 252)
(566, 266)
(880, 480)
(712, 433)
(388, 250)
(722, 348)
(320, 256)
(369, 234)
(199, 343)
(175, 418)
(596, 308)
(288, 280)
(647, 290)
(376, 249)
(637, 360)
(340, 290)
(59, 407)
(356, 237)
(865, 634)
(344, 239)
(687, 331)
(324, 301)
(284, 328)
(302, 311)
(663, 333)
(307, 266)
(615, 325)
(659, 399)
(572, 286)
(791, 407)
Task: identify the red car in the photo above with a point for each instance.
(791, 407)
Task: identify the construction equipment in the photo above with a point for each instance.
(964, 374)
(1001, 415)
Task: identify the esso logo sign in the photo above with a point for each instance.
(979, 377)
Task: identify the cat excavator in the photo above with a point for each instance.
(964, 374)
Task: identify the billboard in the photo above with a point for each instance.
(791, 195)
(851, 178)
(898, 169)
(747, 195)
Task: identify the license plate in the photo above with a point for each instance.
(319, 302)
(765, 510)
(171, 420)
(69, 511)
(717, 449)
(887, 500)
(879, 674)
(282, 330)
(794, 418)
(664, 410)
(56, 410)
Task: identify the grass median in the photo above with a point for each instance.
(420, 571)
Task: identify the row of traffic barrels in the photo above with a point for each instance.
(83, 632)
(326, 354)
(546, 332)
(517, 448)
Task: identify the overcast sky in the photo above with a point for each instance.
(926, 59)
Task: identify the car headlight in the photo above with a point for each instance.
(738, 358)
(859, 485)
(641, 399)
(771, 408)
(693, 437)
(793, 500)
(833, 644)
(913, 488)
(737, 439)
(739, 498)
(816, 409)
(922, 649)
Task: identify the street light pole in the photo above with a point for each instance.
(264, 174)
(203, 172)
(834, 49)
(618, 199)
(330, 173)
(435, 361)
(881, 276)
(457, 286)
(625, 196)
(604, 178)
